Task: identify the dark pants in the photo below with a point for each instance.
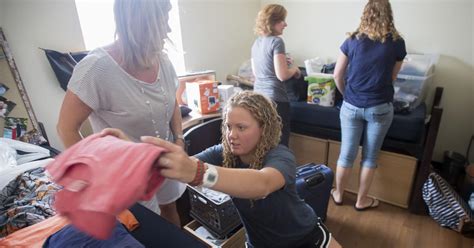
(283, 109)
(154, 231)
(319, 237)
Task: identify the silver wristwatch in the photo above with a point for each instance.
(210, 176)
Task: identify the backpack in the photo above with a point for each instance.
(446, 207)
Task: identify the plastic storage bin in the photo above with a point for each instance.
(411, 89)
(420, 65)
(414, 78)
(214, 210)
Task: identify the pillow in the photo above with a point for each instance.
(297, 88)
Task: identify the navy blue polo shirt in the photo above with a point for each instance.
(369, 73)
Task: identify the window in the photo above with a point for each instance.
(96, 18)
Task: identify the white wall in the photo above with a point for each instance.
(1, 12)
(29, 24)
(317, 28)
(217, 34)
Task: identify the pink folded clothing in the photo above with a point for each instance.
(101, 177)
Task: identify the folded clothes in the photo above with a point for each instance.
(101, 177)
(34, 236)
(70, 236)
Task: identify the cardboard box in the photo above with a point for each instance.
(191, 77)
(203, 96)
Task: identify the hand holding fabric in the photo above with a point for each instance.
(114, 132)
(175, 163)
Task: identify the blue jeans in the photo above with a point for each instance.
(373, 122)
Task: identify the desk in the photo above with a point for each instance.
(195, 118)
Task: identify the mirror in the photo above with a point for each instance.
(17, 119)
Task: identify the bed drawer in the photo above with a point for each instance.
(237, 240)
(393, 178)
(308, 149)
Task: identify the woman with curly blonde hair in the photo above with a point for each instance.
(269, 62)
(369, 62)
(257, 172)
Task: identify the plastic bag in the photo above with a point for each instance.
(314, 65)
(7, 156)
(245, 71)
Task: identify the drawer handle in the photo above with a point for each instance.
(202, 200)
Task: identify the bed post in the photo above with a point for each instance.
(417, 205)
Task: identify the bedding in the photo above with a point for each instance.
(6, 175)
(26, 200)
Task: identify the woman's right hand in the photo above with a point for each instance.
(297, 73)
(114, 132)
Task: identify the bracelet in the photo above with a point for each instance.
(199, 174)
(179, 136)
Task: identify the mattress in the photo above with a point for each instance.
(323, 122)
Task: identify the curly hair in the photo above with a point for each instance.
(264, 112)
(377, 22)
(267, 18)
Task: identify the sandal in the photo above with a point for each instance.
(373, 204)
(334, 199)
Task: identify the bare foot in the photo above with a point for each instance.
(366, 203)
(336, 197)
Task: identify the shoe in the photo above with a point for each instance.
(334, 199)
(373, 204)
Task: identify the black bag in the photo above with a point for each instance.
(446, 207)
(63, 64)
(328, 68)
(297, 88)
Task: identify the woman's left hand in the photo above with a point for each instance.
(175, 163)
(114, 132)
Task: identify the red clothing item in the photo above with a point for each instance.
(101, 177)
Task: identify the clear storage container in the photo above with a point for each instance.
(414, 78)
(420, 65)
(411, 89)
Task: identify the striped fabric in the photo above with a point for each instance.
(445, 206)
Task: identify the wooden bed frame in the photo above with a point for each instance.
(417, 204)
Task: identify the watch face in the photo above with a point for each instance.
(211, 178)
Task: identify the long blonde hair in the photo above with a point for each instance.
(267, 18)
(265, 113)
(141, 29)
(377, 22)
